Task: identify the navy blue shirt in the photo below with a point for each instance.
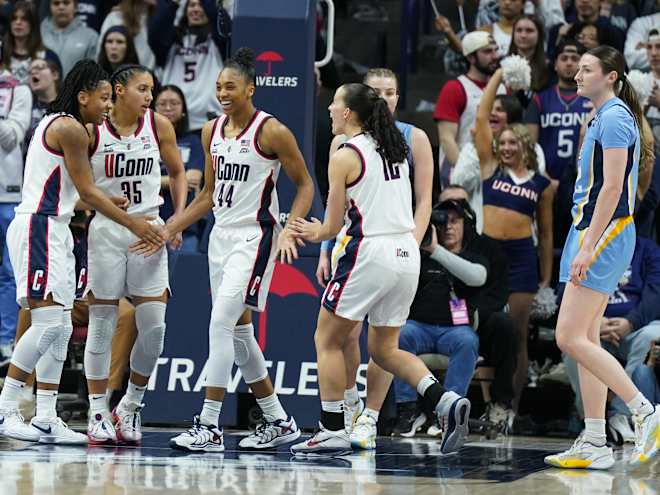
(192, 155)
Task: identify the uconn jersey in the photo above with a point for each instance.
(129, 165)
(193, 66)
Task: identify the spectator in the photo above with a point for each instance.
(91, 12)
(171, 103)
(527, 41)
(189, 54)
(631, 322)
(498, 334)
(551, 11)
(67, 35)
(619, 13)
(456, 107)
(647, 376)
(22, 43)
(502, 29)
(554, 118)
(44, 81)
(118, 49)
(637, 37)
(587, 11)
(590, 35)
(15, 105)
(515, 194)
(653, 58)
(505, 110)
(133, 15)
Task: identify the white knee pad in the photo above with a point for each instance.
(150, 322)
(49, 367)
(248, 355)
(45, 329)
(102, 324)
(224, 315)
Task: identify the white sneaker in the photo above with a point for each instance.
(101, 431)
(271, 434)
(620, 429)
(352, 413)
(364, 433)
(582, 455)
(324, 442)
(128, 423)
(56, 431)
(647, 437)
(13, 425)
(199, 438)
(454, 425)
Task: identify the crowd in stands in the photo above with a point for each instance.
(506, 165)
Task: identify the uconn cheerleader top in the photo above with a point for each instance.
(505, 190)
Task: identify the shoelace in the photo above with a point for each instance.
(577, 446)
(266, 431)
(639, 431)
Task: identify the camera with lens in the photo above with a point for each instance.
(440, 217)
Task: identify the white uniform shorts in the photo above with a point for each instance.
(377, 276)
(114, 272)
(242, 261)
(41, 254)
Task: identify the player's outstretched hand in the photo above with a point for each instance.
(580, 266)
(323, 268)
(286, 247)
(309, 231)
(120, 202)
(152, 237)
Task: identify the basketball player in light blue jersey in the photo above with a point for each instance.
(598, 250)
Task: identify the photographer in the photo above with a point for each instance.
(646, 377)
(442, 314)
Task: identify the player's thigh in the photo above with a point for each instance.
(107, 259)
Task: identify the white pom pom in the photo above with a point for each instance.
(544, 304)
(516, 72)
(643, 84)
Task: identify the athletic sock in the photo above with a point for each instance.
(272, 408)
(98, 405)
(46, 403)
(371, 413)
(594, 431)
(210, 415)
(351, 396)
(332, 415)
(133, 397)
(11, 394)
(640, 405)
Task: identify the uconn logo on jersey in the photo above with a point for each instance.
(515, 190)
(117, 166)
(230, 171)
(562, 119)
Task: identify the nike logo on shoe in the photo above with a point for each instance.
(43, 430)
(251, 238)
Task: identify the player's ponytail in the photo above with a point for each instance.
(611, 60)
(376, 119)
(125, 73)
(244, 62)
(86, 75)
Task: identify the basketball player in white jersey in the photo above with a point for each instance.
(57, 172)
(244, 150)
(126, 152)
(378, 273)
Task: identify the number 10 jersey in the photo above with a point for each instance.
(129, 165)
(245, 176)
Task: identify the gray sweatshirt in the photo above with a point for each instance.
(74, 42)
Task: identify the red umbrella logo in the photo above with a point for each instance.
(287, 280)
(269, 57)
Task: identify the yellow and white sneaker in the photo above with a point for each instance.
(647, 437)
(582, 455)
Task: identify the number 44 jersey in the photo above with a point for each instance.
(129, 165)
(245, 176)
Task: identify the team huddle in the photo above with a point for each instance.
(97, 149)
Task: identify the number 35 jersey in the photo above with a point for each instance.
(129, 166)
(245, 176)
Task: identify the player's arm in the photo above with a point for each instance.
(447, 133)
(171, 156)
(342, 164)
(423, 182)
(69, 136)
(545, 235)
(483, 135)
(277, 139)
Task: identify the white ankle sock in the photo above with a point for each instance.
(11, 394)
(371, 413)
(134, 395)
(46, 403)
(351, 396)
(272, 408)
(640, 405)
(594, 431)
(210, 415)
(98, 405)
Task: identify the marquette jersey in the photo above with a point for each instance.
(613, 126)
(559, 130)
(245, 176)
(48, 188)
(379, 199)
(129, 165)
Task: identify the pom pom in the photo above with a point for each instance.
(544, 304)
(516, 73)
(643, 84)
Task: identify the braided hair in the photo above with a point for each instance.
(243, 61)
(125, 73)
(86, 75)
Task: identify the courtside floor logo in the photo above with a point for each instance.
(269, 67)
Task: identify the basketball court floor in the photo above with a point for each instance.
(399, 466)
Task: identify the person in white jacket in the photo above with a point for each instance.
(635, 48)
(15, 110)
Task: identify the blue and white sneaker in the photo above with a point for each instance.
(200, 438)
(324, 442)
(100, 430)
(13, 425)
(56, 431)
(454, 425)
(271, 434)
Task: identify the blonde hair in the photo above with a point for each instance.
(526, 146)
(382, 72)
